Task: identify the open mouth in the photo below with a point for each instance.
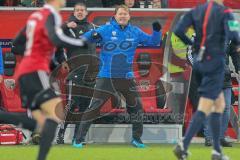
(80, 15)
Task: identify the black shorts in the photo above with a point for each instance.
(35, 89)
(210, 76)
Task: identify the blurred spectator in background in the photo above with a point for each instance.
(156, 4)
(2, 3)
(132, 3)
(31, 3)
(27, 3)
(152, 3)
(11, 2)
(164, 3)
(37, 3)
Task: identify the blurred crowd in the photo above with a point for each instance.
(91, 3)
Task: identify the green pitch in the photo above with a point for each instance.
(111, 152)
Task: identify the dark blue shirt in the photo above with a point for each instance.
(220, 29)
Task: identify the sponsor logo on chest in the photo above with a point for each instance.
(114, 37)
(81, 32)
(114, 34)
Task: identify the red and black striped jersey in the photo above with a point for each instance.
(42, 34)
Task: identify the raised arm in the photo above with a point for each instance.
(154, 39)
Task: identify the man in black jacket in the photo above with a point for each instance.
(76, 25)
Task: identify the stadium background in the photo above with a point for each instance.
(175, 73)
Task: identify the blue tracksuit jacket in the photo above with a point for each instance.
(118, 47)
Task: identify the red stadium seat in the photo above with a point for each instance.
(148, 73)
(11, 101)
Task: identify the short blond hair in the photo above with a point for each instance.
(121, 6)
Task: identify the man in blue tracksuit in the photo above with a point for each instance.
(214, 25)
(119, 40)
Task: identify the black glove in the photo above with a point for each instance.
(96, 36)
(156, 26)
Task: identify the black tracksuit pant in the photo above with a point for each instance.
(76, 102)
(106, 88)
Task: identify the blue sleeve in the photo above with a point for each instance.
(182, 26)
(150, 40)
(1, 62)
(88, 35)
(231, 27)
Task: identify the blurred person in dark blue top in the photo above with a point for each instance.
(118, 40)
(132, 3)
(214, 25)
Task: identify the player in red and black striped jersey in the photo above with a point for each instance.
(39, 38)
(43, 33)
